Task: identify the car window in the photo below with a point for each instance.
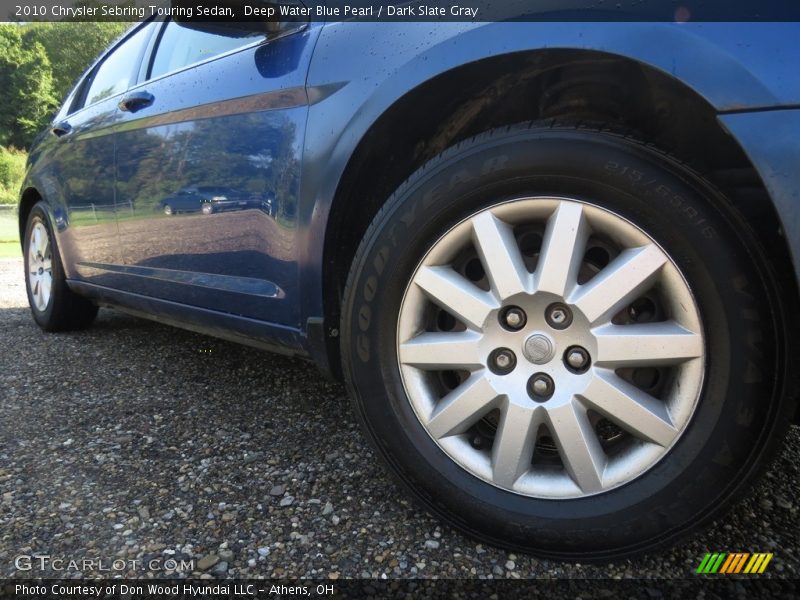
(113, 75)
(181, 45)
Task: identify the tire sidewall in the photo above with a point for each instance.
(679, 212)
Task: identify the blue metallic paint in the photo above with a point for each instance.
(309, 99)
(770, 139)
(196, 134)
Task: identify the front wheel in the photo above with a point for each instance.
(549, 334)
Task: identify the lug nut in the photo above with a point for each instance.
(577, 359)
(558, 316)
(541, 387)
(502, 361)
(513, 318)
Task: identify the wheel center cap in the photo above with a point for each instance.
(539, 348)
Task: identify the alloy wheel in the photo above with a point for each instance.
(40, 266)
(551, 348)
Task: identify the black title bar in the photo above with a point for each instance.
(417, 10)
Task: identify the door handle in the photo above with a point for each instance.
(136, 101)
(61, 129)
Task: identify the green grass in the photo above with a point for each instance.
(9, 234)
(12, 169)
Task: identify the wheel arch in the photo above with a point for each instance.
(533, 85)
(28, 199)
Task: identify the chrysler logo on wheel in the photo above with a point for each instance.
(538, 349)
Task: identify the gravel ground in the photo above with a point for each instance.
(136, 441)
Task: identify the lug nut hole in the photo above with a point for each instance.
(558, 315)
(502, 361)
(541, 387)
(577, 359)
(513, 318)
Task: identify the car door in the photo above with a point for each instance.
(216, 127)
(83, 158)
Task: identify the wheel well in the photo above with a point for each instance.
(564, 84)
(28, 200)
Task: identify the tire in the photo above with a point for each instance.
(207, 209)
(168, 210)
(693, 432)
(54, 306)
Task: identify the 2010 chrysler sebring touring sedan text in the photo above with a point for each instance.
(555, 263)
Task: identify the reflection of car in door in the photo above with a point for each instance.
(207, 199)
(183, 201)
(220, 199)
(555, 263)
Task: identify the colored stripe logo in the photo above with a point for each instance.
(728, 563)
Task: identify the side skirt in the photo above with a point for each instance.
(234, 328)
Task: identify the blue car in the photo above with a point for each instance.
(556, 263)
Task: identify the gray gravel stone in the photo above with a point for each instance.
(254, 457)
(194, 409)
(226, 555)
(208, 561)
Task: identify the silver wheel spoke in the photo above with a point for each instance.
(39, 296)
(628, 275)
(628, 406)
(578, 446)
(649, 344)
(562, 250)
(456, 295)
(500, 255)
(512, 451)
(436, 351)
(45, 243)
(461, 408)
(46, 284)
(37, 239)
(47, 264)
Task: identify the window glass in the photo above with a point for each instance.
(113, 76)
(181, 45)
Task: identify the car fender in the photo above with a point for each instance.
(359, 70)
